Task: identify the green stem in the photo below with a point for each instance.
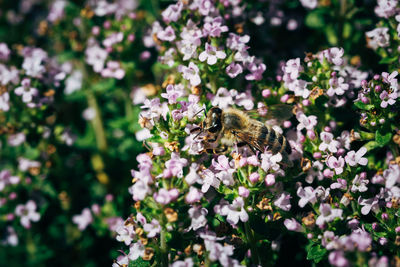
(252, 242)
(163, 248)
(97, 123)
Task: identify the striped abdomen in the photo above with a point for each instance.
(275, 141)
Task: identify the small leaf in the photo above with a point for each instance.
(315, 253)
(315, 20)
(371, 145)
(367, 135)
(363, 106)
(382, 138)
(388, 60)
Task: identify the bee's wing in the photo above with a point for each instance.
(278, 112)
(251, 140)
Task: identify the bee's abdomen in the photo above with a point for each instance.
(275, 141)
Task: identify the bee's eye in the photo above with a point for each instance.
(215, 128)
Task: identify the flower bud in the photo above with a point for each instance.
(306, 102)
(254, 177)
(270, 180)
(378, 88)
(385, 216)
(243, 191)
(317, 155)
(266, 93)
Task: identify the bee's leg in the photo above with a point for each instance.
(218, 150)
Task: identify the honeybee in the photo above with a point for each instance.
(232, 126)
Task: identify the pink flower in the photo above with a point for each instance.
(293, 225)
(306, 195)
(194, 195)
(353, 158)
(96, 56)
(336, 163)
(126, 234)
(152, 228)
(113, 38)
(172, 12)
(174, 166)
(327, 214)
(6, 178)
(369, 204)
(328, 142)
(27, 213)
(83, 219)
(167, 35)
(283, 201)
(135, 251)
(256, 70)
(388, 98)
(334, 55)
(243, 191)
(234, 69)
(198, 218)
(306, 122)
(190, 73)
(113, 70)
(235, 211)
(211, 54)
(26, 91)
(213, 27)
(173, 93)
(337, 259)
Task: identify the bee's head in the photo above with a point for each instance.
(212, 123)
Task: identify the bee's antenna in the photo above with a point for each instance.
(201, 131)
(203, 109)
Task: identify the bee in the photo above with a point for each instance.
(232, 126)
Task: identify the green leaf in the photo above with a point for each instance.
(315, 252)
(371, 145)
(315, 20)
(388, 60)
(382, 138)
(139, 263)
(363, 106)
(367, 135)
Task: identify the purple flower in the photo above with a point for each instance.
(152, 228)
(26, 91)
(256, 70)
(167, 35)
(307, 123)
(283, 201)
(293, 225)
(392, 176)
(198, 218)
(328, 142)
(339, 184)
(4, 52)
(188, 49)
(291, 70)
(387, 98)
(337, 86)
(362, 239)
(211, 54)
(6, 178)
(8, 75)
(378, 37)
(83, 219)
(369, 204)
(164, 196)
(353, 158)
(243, 191)
(190, 73)
(299, 87)
(194, 195)
(191, 33)
(174, 166)
(135, 251)
(237, 42)
(16, 139)
(306, 195)
(4, 101)
(336, 163)
(73, 82)
(327, 214)
(234, 69)
(337, 259)
(205, 6)
(213, 27)
(173, 93)
(310, 4)
(113, 38)
(139, 190)
(34, 57)
(235, 211)
(270, 161)
(172, 12)
(223, 98)
(96, 56)
(113, 70)
(209, 179)
(188, 262)
(386, 8)
(126, 234)
(334, 55)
